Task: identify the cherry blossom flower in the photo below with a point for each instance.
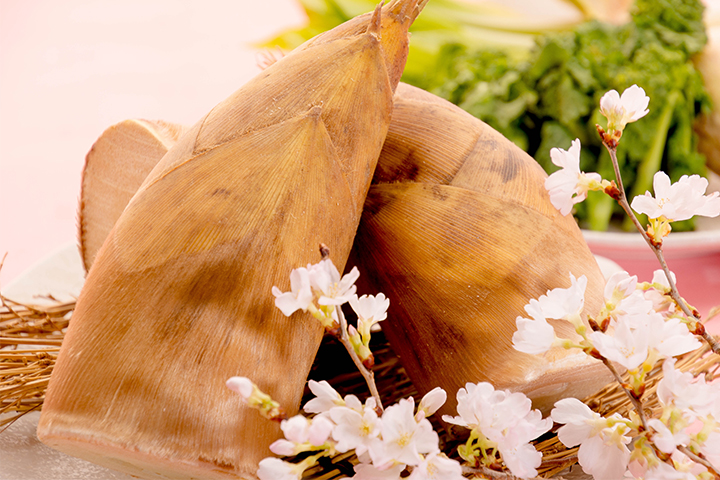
(565, 303)
(534, 336)
(333, 290)
(299, 298)
(681, 390)
(506, 419)
(664, 439)
(626, 346)
(679, 201)
(569, 185)
(275, 469)
(326, 397)
(603, 449)
(354, 430)
(670, 337)
(403, 438)
(436, 466)
(468, 399)
(522, 459)
(623, 298)
(621, 110)
(370, 310)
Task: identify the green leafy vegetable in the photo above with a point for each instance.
(553, 97)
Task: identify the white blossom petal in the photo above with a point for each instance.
(283, 447)
(403, 438)
(621, 110)
(603, 461)
(679, 201)
(577, 419)
(436, 466)
(626, 346)
(533, 336)
(568, 185)
(296, 429)
(275, 469)
(664, 439)
(564, 303)
(334, 290)
(354, 430)
(299, 298)
(326, 397)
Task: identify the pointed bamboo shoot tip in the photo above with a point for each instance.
(418, 8)
(406, 11)
(375, 24)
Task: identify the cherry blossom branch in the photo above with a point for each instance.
(697, 459)
(657, 250)
(367, 374)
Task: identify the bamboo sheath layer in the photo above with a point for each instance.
(176, 300)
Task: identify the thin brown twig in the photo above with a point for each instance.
(637, 403)
(368, 375)
(695, 458)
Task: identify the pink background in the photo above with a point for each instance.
(69, 69)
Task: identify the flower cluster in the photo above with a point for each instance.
(401, 438)
(687, 427)
(637, 327)
(321, 282)
(502, 422)
(502, 425)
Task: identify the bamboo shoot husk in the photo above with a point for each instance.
(176, 299)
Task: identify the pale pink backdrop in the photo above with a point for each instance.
(71, 68)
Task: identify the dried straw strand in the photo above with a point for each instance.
(30, 338)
